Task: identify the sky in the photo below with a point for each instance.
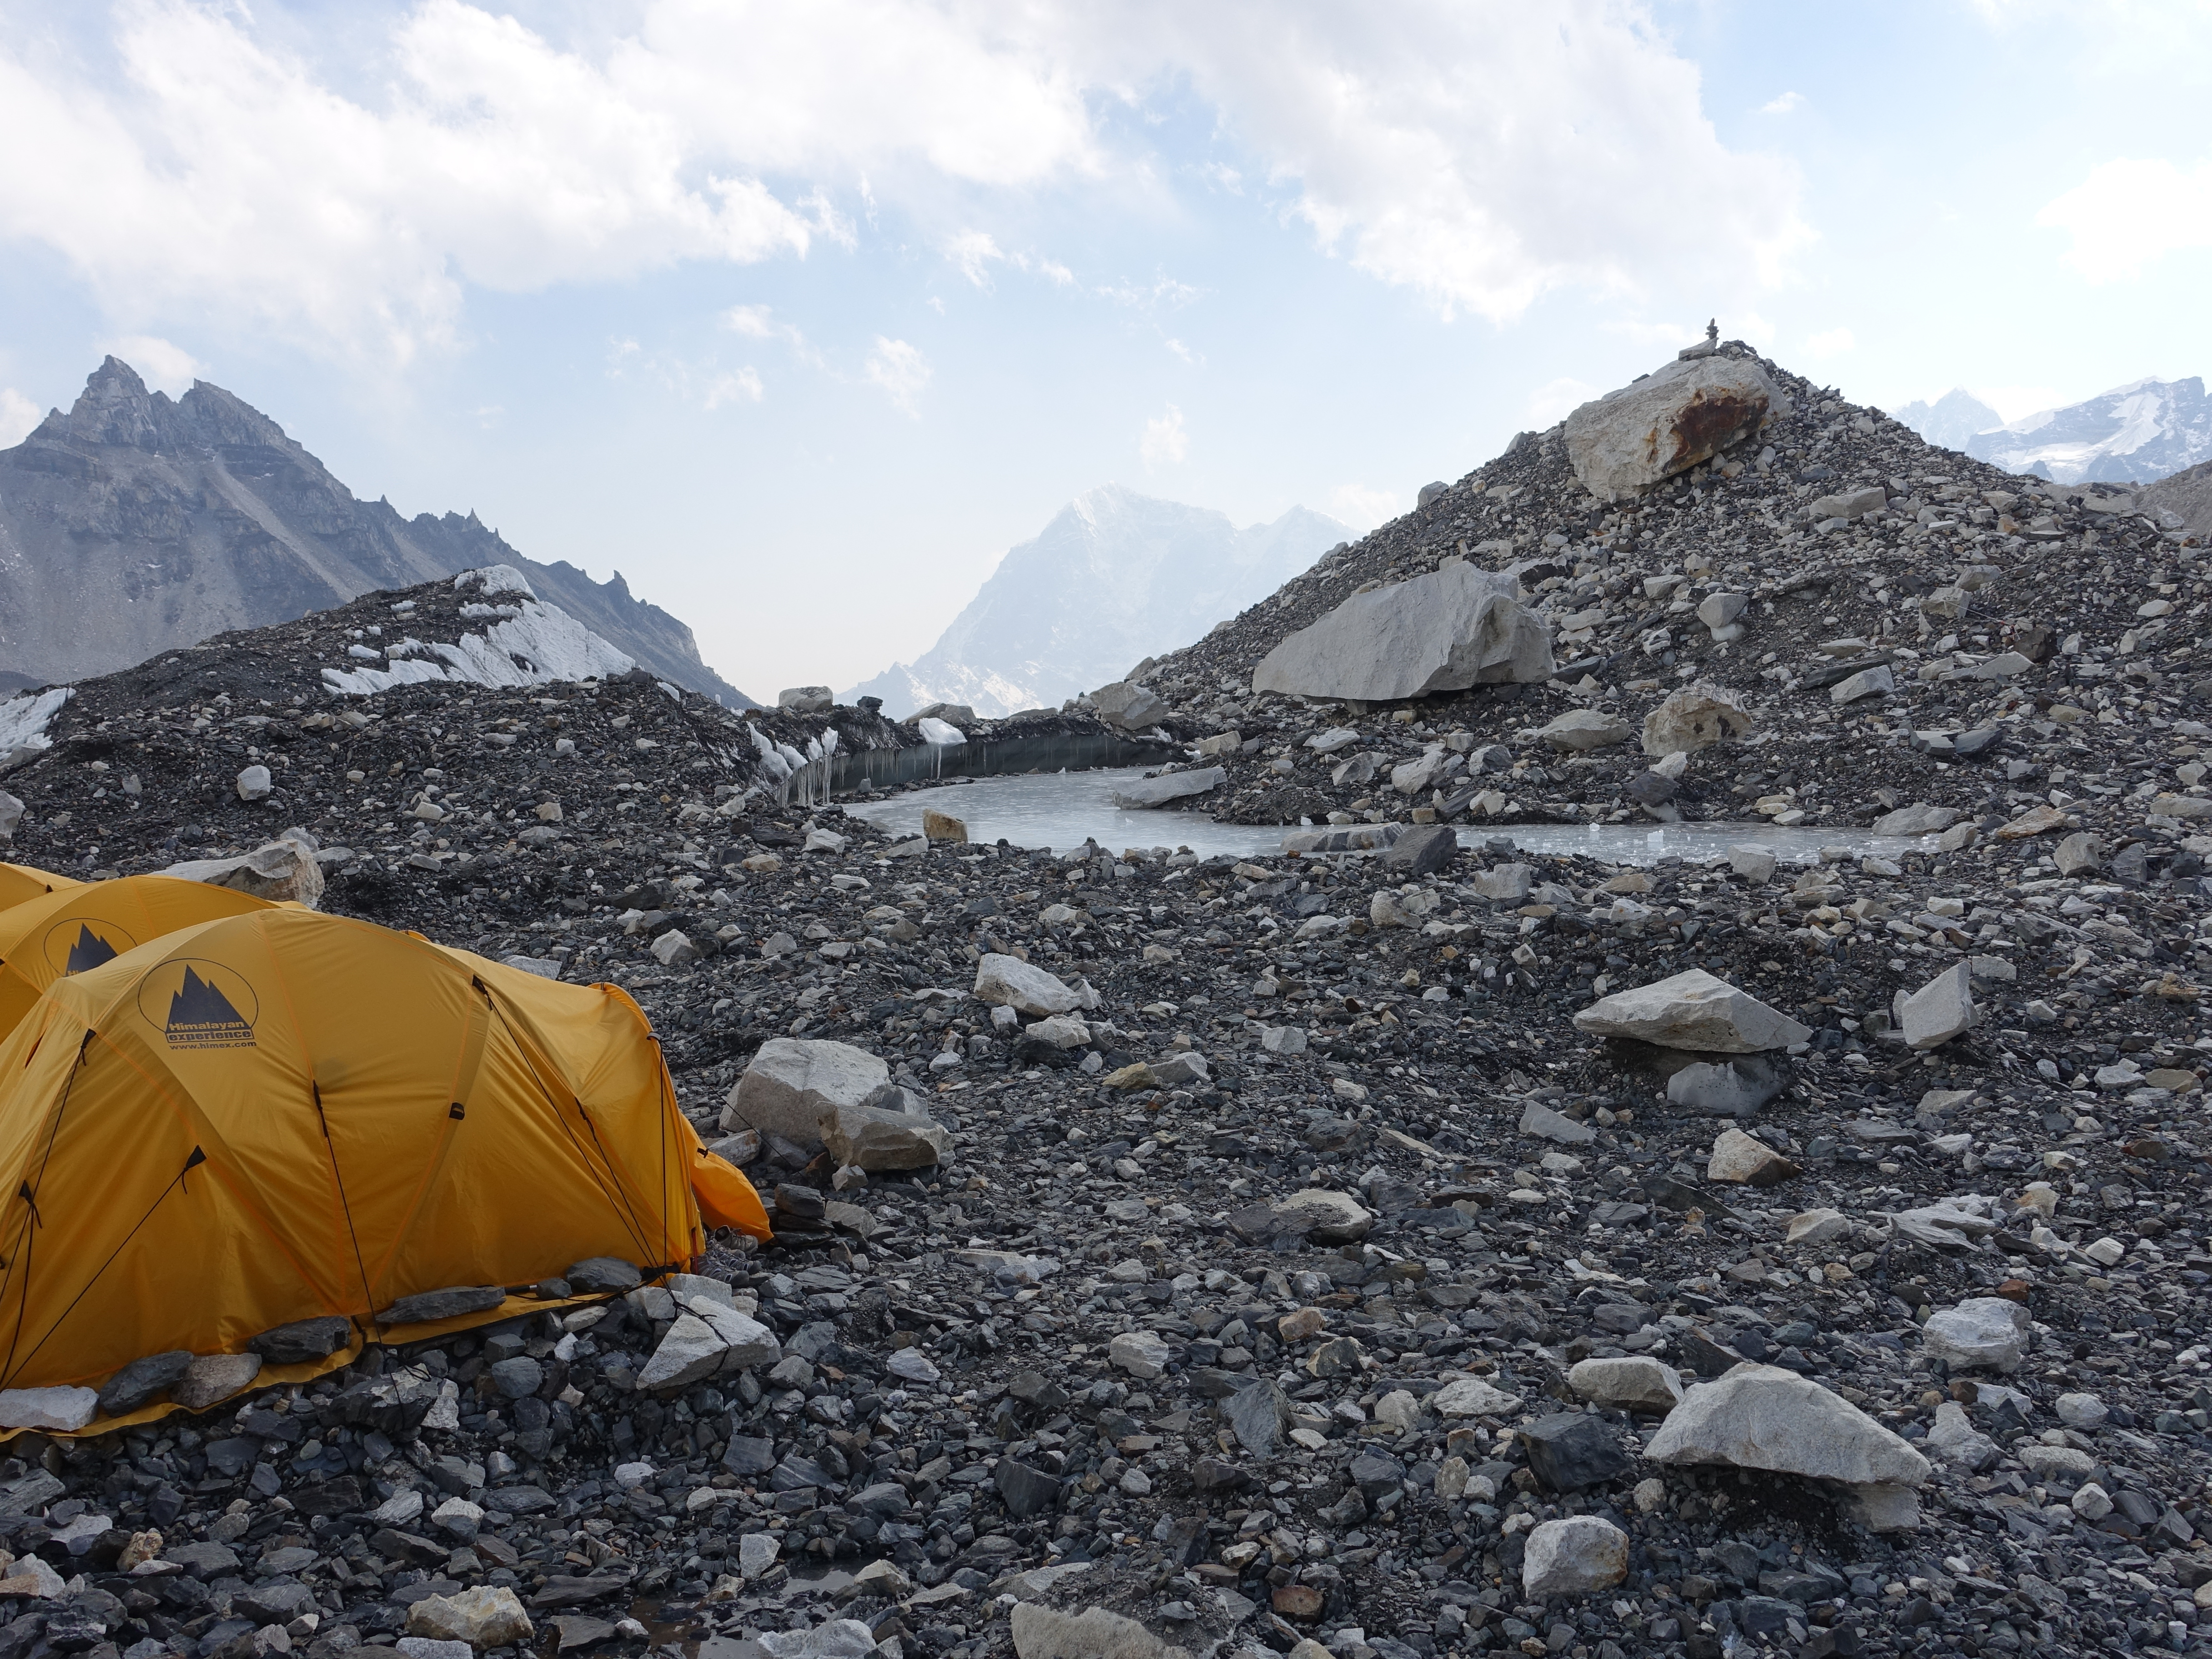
(799, 315)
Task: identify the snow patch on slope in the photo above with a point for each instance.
(532, 644)
(23, 720)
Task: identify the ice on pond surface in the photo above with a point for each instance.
(1063, 810)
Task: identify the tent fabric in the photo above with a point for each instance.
(79, 926)
(280, 1114)
(19, 882)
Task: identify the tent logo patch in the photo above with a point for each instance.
(197, 1003)
(76, 944)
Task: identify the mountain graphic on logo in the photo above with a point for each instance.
(89, 950)
(200, 1014)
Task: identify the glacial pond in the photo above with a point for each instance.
(1063, 810)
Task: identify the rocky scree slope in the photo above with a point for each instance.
(1309, 1276)
(2038, 645)
(134, 524)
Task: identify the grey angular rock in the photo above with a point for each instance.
(865, 1138)
(1545, 1124)
(1954, 1438)
(303, 1341)
(602, 1272)
(1130, 706)
(448, 1303)
(1255, 1416)
(1747, 1160)
(1982, 1331)
(1451, 628)
(1762, 1416)
(1325, 1216)
(1664, 424)
(1421, 850)
(1637, 1383)
(142, 1382)
(1575, 1555)
(1918, 819)
(214, 1377)
(1010, 982)
(1692, 1009)
(792, 1084)
(485, 1617)
(1581, 729)
(1731, 1088)
(1026, 1491)
(1940, 1010)
(1875, 682)
(690, 1353)
(280, 871)
(1571, 1451)
(1042, 1633)
(1143, 792)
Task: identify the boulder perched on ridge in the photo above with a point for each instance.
(1665, 423)
(1454, 627)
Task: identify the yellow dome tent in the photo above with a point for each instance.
(19, 882)
(281, 1116)
(84, 924)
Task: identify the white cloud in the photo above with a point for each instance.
(1555, 400)
(1165, 442)
(1181, 351)
(1783, 104)
(1830, 342)
(1361, 508)
(163, 365)
(1479, 152)
(2127, 213)
(18, 414)
(732, 386)
(971, 253)
(900, 371)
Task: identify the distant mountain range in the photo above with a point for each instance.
(2138, 433)
(134, 523)
(1114, 578)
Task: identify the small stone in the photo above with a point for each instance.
(1140, 1354)
(214, 1377)
(61, 1408)
(1581, 729)
(1471, 1396)
(1572, 1450)
(2090, 1501)
(2080, 1411)
(1635, 1384)
(1574, 1555)
(144, 1380)
(1753, 863)
(304, 1340)
(1982, 1331)
(1545, 1124)
(254, 783)
(449, 1304)
(1816, 1227)
(1040, 1632)
(483, 1618)
(1938, 1010)
(1744, 1160)
(943, 826)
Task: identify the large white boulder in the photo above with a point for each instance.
(1127, 705)
(280, 869)
(1762, 1416)
(1665, 423)
(1444, 631)
(1695, 717)
(792, 1084)
(1692, 1009)
(1010, 982)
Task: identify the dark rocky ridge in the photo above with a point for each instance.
(134, 524)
